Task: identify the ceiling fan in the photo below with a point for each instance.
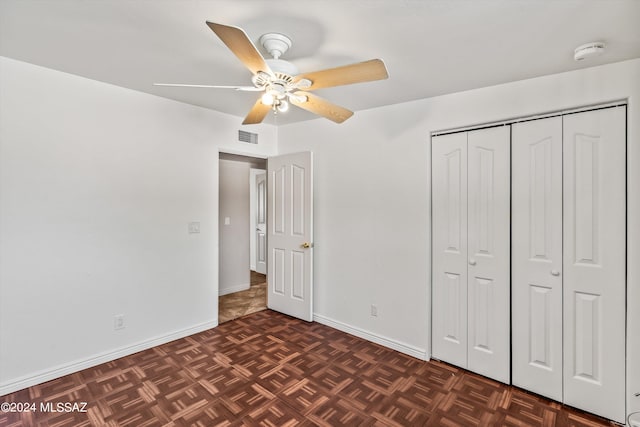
(280, 81)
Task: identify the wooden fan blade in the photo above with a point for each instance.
(321, 107)
(367, 71)
(240, 44)
(257, 113)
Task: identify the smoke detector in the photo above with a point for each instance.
(588, 50)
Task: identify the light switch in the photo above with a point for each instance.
(227, 220)
(194, 227)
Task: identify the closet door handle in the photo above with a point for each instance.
(472, 261)
(555, 273)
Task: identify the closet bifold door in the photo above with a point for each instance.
(470, 238)
(449, 248)
(594, 261)
(536, 261)
(488, 275)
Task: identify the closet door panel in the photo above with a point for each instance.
(488, 252)
(537, 256)
(449, 231)
(594, 261)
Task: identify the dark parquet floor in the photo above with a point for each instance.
(268, 369)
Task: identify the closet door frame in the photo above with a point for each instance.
(621, 393)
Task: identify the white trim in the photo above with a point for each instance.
(416, 352)
(69, 368)
(232, 289)
(598, 106)
(242, 153)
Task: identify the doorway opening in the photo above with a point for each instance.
(242, 236)
(238, 304)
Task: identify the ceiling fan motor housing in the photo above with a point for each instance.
(283, 67)
(275, 43)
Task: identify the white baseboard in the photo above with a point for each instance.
(66, 369)
(232, 289)
(418, 353)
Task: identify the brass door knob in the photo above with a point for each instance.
(306, 245)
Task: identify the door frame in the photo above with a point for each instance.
(216, 219)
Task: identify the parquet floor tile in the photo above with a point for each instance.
(267, 369)
(338, 412)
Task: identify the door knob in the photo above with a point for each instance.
(555, 273)
(306, 245)
(472, 261)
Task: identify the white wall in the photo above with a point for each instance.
(234, 197)
(97, 187)
(372, 211)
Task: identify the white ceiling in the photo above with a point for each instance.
(430, 47)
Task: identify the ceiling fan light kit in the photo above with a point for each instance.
(281, 81)
(283, 106)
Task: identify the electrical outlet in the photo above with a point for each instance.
(374, 310)
(194, 227)
(118, 322)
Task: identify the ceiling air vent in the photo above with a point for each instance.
(250, 137)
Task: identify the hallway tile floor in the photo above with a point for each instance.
(238, 304)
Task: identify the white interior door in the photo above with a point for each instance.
(536, 287)
(594, 261)
(449, 243)
(261, 223)
(290, 234)
(488, 247)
